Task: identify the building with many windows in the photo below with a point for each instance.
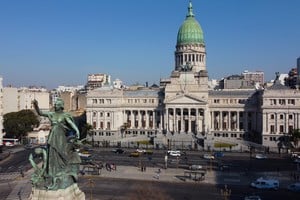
(16, 99)
(183, 112)
(97, 80)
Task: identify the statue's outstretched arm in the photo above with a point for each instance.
(37, 109)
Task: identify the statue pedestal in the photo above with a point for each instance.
(71, 193)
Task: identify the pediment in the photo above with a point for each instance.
(185, 99)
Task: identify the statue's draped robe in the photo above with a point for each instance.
(63, 161)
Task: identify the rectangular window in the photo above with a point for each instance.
(216, 100)
(272, 128)
(281, 128)
(291, 128)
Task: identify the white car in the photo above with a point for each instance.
(195, 167)
(208, 156)
(141, 150)
(264, 183)
(175, 153)
(8, 144)
(260, 156)
(84, 155)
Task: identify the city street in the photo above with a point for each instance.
(129, 182)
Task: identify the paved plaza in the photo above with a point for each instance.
(22, 187)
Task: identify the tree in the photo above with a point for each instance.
(295, 137)
(18, 124)
(83, 127)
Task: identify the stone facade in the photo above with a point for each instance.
(71, 193)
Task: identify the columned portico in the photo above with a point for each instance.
(185, 120)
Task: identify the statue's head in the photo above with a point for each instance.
(59, 104)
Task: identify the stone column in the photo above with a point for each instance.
(147, 113)
(175, 120)
(182, 119)
(221, 120)
(189, 120)
(166, 121)
(230, 121)
(154, 119)
(276, 124)
(140, 119)
(197, 124)
(133, 117)
(238, 120)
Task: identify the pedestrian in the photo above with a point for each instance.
(108, 167)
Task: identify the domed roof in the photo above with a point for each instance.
(190, 31)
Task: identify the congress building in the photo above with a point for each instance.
(184, 112)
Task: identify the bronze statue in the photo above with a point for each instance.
(38, 178)
(62, 161)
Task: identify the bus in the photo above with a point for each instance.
(10, 142)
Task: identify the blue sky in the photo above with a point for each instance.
(59, 42)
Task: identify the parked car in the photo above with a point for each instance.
(86, 160)
(134, 154)
(264, 183)
(8, 144)
(84, 155)
(141, 150)
(224, 167)
(118, 151)
(195, 167)
(149, 152)
(218, 154)
(295, 187)
(208, 156)
(260, 156)
(175, 153)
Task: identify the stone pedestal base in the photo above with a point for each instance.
(71, 193)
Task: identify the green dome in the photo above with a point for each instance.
(190, 31)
